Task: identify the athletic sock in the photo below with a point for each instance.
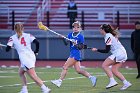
(89, 77)
(125, 81)
(43, 87)
(24, 87)
(112, 79)
(60, 80)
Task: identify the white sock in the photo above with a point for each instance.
(89, 77)
(24, 87)
(43, 87)
(60, 80)
(112, 79)
(125, 81)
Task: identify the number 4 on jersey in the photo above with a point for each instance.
(23, 41)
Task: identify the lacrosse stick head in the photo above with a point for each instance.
(42, 27)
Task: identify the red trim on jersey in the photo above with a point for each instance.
(108, 40)
(10, 39)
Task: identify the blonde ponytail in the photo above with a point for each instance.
(19, 28)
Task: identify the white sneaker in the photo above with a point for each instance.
(93, 80)
(111, 84)
(23, 91)
(46, 91)
(125, 86)
(56, 82)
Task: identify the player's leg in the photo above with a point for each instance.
(137, 57)
(108, 62)
(31, 72)
(138, 66)
(71, 22)
(115, 71)
(85, 73)
(24, 81)
(70, 62)
(79, 70)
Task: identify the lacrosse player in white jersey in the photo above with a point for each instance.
(115, 60)
(22, 43)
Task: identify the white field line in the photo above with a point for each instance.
(7, 76)
(44, 81)
(12, 71)
(101, 74)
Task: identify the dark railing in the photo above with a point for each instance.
(118, 19)
(82, 19)
(48, 17)
(13, 19)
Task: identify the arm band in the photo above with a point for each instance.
(8, 48)
(65, 41)
(36, 42)
(104, 50)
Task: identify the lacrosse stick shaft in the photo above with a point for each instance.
(60, 35)
(89, 47)
(5, 45)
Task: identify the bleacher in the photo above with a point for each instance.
(96, 13)
(22, 9)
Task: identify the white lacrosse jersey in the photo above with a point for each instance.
(22, 44)
(114, 42)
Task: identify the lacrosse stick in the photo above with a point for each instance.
(43, 27)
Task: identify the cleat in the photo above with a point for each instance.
(111, 84)
(93, 80)
(23, 90)
(56, 82)
(125, 86)
(46, 90)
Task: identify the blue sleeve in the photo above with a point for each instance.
(69, 36)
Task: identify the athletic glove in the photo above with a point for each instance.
(81, 46)
(36, 53)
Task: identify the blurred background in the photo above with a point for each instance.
(53, 13)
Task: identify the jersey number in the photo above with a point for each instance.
(23, 41)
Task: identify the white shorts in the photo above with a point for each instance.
(27, 60)
(120, 56)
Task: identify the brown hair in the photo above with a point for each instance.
(19, 28)
(110, 29)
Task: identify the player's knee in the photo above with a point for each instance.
(21, 73)
(114, 70)
(104, 66)
(65, 68)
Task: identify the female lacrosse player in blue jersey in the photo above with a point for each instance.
(75, 56)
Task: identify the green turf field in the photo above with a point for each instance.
(74, 83)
